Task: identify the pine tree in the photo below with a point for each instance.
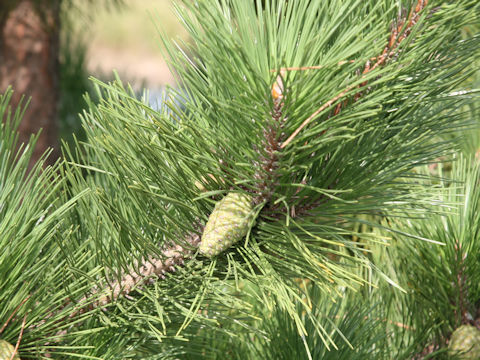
(30, 51)
(299, 149)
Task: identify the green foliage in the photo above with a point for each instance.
(154, 177)
(34, 269)
(352, 324)
(194, 290)
(442, 278)
(307, 281)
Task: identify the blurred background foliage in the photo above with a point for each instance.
(123, 37)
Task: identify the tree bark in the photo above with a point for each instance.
(29, 63)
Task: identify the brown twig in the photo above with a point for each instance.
(146, 271)
(399, 33)
(311, 117)
(315, 67)
(267, 165)
(14, 312)
(19, 337)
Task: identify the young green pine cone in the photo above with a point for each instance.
(465, 343)
(228, 223)
(6, 351)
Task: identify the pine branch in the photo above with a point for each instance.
(146, 272)
(19, 337)
(267, 166)
(399, 33)
(442, 280)
(154, 175)
(32, 219)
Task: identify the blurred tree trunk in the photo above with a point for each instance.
(29, 50)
